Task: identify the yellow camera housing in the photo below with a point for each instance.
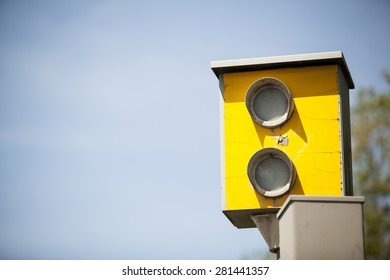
(285, 129)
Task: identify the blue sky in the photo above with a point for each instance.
(109, 117)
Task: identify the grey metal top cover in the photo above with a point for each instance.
(287, 61)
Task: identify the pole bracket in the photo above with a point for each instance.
(268, 225)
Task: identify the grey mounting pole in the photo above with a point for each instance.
(321, 228)
(268, 225)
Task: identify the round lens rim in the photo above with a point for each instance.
(263, 84)
(260, 156)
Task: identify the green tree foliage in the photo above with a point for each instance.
(371, 163)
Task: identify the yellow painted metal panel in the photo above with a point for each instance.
(313, 135)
